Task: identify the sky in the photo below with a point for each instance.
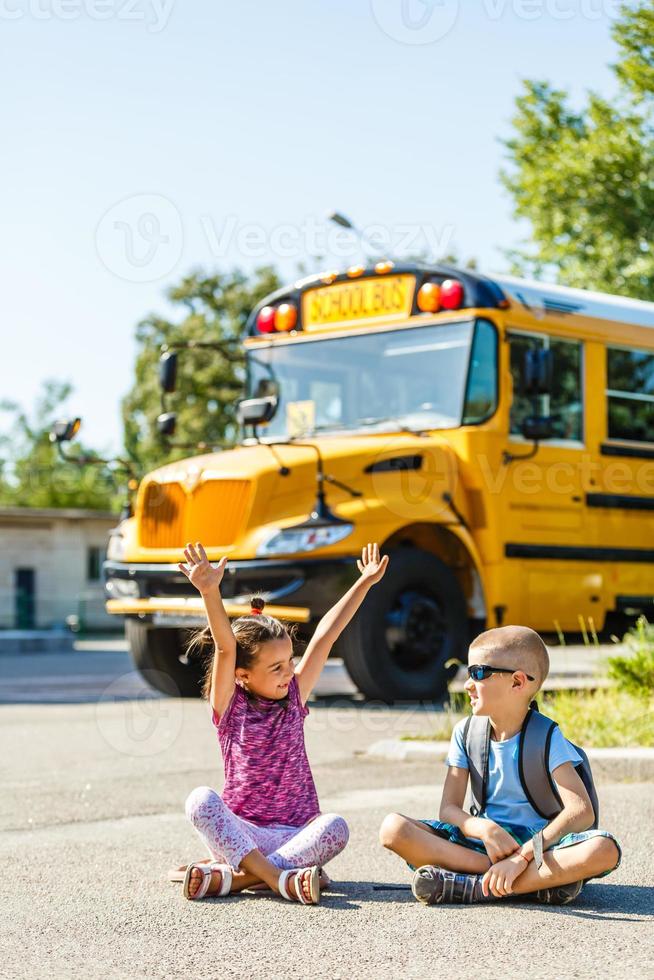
(146, 138)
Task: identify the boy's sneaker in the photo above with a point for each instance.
(560, 895)
(433, 886)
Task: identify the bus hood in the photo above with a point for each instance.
(230, 500)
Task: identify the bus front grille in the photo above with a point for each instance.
(213, 513)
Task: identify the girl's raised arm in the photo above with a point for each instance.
(206, 579)
(330, 627)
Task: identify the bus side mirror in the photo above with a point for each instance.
(536, 428)
(168, 371)
(537, 372)
(167, 423)
(256, 411)
(64, 430)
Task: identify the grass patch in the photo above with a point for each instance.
(634, 673)
(602, 718)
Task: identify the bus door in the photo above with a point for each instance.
(545, 530)
(620, 491)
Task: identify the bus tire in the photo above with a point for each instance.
(409, 626)
(156, 655)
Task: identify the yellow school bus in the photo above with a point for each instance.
(495, 436)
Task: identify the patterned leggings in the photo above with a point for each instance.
(229, 838)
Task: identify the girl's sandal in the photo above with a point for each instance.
(178, 874)
(301, 884)
(206, 871)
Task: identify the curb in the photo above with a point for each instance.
(36, 641)
(629, 765)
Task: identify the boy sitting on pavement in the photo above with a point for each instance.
(498, 851)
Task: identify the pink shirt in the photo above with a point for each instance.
(267, 775)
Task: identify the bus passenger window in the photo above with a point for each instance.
(630, 394)
(481, 391)
(565, 404)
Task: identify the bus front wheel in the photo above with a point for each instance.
(409, 626)
(158, 655)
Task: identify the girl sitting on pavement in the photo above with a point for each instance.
(265, 829)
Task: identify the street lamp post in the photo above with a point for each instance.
(340, 219)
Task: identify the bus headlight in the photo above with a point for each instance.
(292, 540)
(122, 588)
(116, 546)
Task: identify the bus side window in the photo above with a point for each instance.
(630, 394)
(565, 403)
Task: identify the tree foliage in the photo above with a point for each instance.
(584, 179)
(215, 308)
(32, 473)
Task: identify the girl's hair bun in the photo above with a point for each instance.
(256, 605)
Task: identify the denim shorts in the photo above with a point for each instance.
(521, 834)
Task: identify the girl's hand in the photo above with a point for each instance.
(201, 573)
(371, 567)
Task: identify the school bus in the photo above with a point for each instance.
(494, 435)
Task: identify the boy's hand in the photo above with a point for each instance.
(499, 878)
(497, 841)
(201, 573)
(372, 568)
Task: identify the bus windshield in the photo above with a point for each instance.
(414, 378)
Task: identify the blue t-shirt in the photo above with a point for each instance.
(506, 802)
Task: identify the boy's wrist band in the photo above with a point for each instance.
(537, 842)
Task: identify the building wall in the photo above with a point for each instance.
(57, 548)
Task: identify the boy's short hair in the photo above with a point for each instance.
(522, 646)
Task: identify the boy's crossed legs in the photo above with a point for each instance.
(419, 845)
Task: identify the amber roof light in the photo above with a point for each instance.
(429, 298)
(285, 317)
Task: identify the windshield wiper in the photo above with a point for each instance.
(391, 418)
(361, 423)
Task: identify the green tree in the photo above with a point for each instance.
(33, 474)
(209, 382)
(585, 179)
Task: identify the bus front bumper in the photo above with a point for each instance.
(298, 591)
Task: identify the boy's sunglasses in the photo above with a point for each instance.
(481, 672)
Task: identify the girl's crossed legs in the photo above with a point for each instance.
(258, 854)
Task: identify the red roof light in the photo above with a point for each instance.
(266, 320)
(451, 294)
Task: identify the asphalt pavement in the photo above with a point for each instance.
(95, 771)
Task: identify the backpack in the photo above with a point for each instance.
(533, 757)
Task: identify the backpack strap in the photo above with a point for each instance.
(476, 741)
(533, 765)
(585, 774)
